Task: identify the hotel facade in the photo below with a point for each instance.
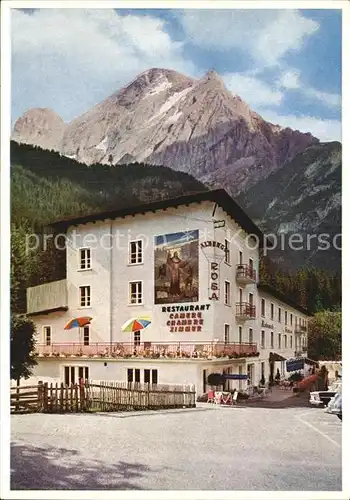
(190, 265)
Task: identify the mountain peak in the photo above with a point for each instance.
(212, 76)
(40, 126)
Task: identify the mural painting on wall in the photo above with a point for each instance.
(176, 267)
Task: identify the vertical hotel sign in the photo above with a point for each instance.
(214, 252)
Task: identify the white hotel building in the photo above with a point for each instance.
(191, 265)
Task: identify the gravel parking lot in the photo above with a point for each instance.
(239, 448)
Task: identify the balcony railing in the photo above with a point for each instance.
(151, 350)
(244, 310)
(300, 329)
(245, 274)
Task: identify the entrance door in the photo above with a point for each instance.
(204, 381)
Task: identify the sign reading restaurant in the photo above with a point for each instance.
(214, 265)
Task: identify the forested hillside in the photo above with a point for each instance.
(46, 186)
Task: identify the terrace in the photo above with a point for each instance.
(159, 350)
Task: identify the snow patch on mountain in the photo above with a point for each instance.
(103, 145)
(161, 87)
(174, 99)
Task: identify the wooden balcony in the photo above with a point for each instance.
(48, 297)
(152, 350)
(245, 274)
(244, 311)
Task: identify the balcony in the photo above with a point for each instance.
(300, 329)
(301, 351)
(245, 274)
(149, 350)
(48, 297)
(244, 311)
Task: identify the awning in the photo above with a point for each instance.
(295, 364)
(274, 356)
(312, 362)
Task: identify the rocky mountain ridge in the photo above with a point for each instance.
(166, 118)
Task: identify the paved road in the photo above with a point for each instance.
(240, 448)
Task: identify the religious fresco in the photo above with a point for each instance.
(176, 267)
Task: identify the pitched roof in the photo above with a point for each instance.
(218, 196)
(278, 295)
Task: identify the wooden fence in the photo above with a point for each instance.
(101, 396)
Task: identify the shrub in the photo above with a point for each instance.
(215, 379)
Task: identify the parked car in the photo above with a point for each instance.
(322, 398)
(335, 405)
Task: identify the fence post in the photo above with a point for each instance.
(45, 396)
(82, 395)
(40, 395)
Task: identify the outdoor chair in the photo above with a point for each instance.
(218, 398)
(211, 397)
(226, 398)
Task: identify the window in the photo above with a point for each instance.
(271, 337)
(240, 335)
(240, 258)
(285, 341)
(147, 376)
(227, 333)
(86, 335)
(262, 339)
(285, 317)
(272, 310)
(135, 252)
(85, 296)
(227, 252)
(279, 341)
(279, 314)
(250, 373)
(73, 374)
(291, 319)
(85, 258)
(227, 293)
(135, 292)
(251, 264)
(250, 338)
(262, 369)
(137, 337)
(47, 335)
(83, 372)
(154, 377)
(291, 341)
(263, 308)
(133, 375)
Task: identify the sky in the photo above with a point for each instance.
(286, 64)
